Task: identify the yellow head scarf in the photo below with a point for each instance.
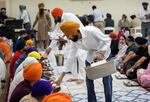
(35, 55)
(69, 28)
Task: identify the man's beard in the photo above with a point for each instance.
(58, 19)
(145, 8)
(41, 12)
(75, 38)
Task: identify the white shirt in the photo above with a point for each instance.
(142, 15)
(54, 36)
(25, 16)
(57, 32)
(98, 16)
(93, 40)
(121, 52)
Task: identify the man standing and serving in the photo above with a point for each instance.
(97, 45)
(77, 67)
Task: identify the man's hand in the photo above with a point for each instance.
(147, 16)
(129, 71)
(61, 38)
(62, 42)
(98, 57)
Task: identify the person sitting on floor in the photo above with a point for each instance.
(6, 50)
(40, 89)
(31, 74)
(136, 60)
(28, 60)
(19, 51)
(2, 73)
(19, 76)
(23, 57)
(143, 76)
(131, 48)
(122, 49)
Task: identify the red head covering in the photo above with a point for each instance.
(112, 35)
(57, 12)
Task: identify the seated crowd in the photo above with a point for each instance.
(30, 78)
(31, 81)
(131, 56)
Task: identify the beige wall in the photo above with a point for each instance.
(2, 3)
(115, 7)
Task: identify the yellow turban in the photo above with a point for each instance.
(32, 72)
(35, 55)
(29, 42)
(69, 27)
(57, 97)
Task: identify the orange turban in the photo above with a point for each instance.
(57, 97)
(29, 42)
(6, 49)
(56, 12)
(32, 72)
(112, 35)
(69, 27)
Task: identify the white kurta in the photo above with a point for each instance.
(76, 69)
(143, 13)
(93, 40)
(54, 44)
(121, 52)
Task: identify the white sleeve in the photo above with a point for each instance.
(23, 15)
(71, 57)
(103, 39)
(54, 43)
(141, 15)
(104, 42)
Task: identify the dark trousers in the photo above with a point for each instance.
(107, 82)
(145, 27)
(27, 26)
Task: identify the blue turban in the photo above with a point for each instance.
(20, 44)
(41, 88)
(31, 49)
